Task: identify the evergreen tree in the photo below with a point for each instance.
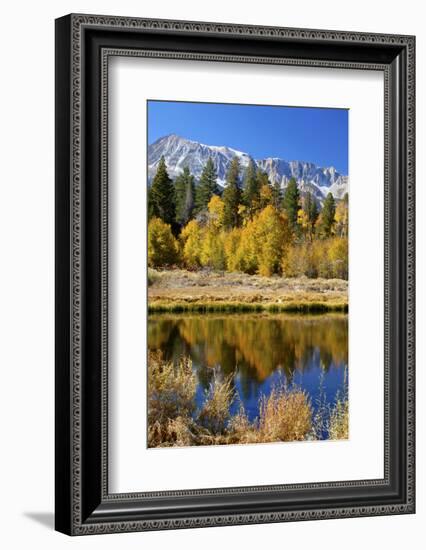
(262, 178)
(313, 213)
(251, 189)
(207, 186)
(184, 193)
(232, 195)
(311, 210)
(161, 195)
(291, 202)
(276, 194)
(327, 215)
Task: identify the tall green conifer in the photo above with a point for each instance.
(276, 194)
(232, 195)
(327, 215)
(311, 210)
(184, 193)
(262, 178)
(207, 186)
(291, 202)
(251, 189)
(161, 195)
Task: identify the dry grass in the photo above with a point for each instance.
(339, 421)
(171, 401)
(174, 421)
(285, 416)
(215, 413)
(179, 291)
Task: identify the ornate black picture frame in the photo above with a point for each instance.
(84, 44)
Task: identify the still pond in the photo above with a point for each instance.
(259, 350)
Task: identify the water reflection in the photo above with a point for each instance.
(259, 349)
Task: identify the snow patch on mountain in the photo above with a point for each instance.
(180, 152)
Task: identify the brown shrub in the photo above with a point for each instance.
(215, 414)
(285, 416)
(171, 393)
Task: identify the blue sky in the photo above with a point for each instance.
(292, 133)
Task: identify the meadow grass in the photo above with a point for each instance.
(174, 420)
(153, 276)
(179, 291)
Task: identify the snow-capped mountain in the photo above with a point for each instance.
(180, 152)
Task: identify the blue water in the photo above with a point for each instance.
(259, 351)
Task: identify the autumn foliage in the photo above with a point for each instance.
(251, 229)
(162, 246)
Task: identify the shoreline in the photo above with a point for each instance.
(235, 307)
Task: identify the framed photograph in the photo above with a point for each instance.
(234, 274)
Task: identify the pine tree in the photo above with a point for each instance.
(207, 186)
(161, 195)
(313, 214)
(327, 215)
(276, 194)
(184, 193)
(291, 202)
(251, 189)
(311, 211)
(232, 195)
(262, 178)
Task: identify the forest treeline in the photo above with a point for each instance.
(252, 226)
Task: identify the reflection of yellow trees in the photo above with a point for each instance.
(259, 344)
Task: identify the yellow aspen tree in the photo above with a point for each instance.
(162, 246)
(232, 240)
(266, 195)
(303, 220)
(338, 257)
(212, 252)
(216, 209)
(342, 219)
(270, 233)
(211, 247)
(191, 240)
